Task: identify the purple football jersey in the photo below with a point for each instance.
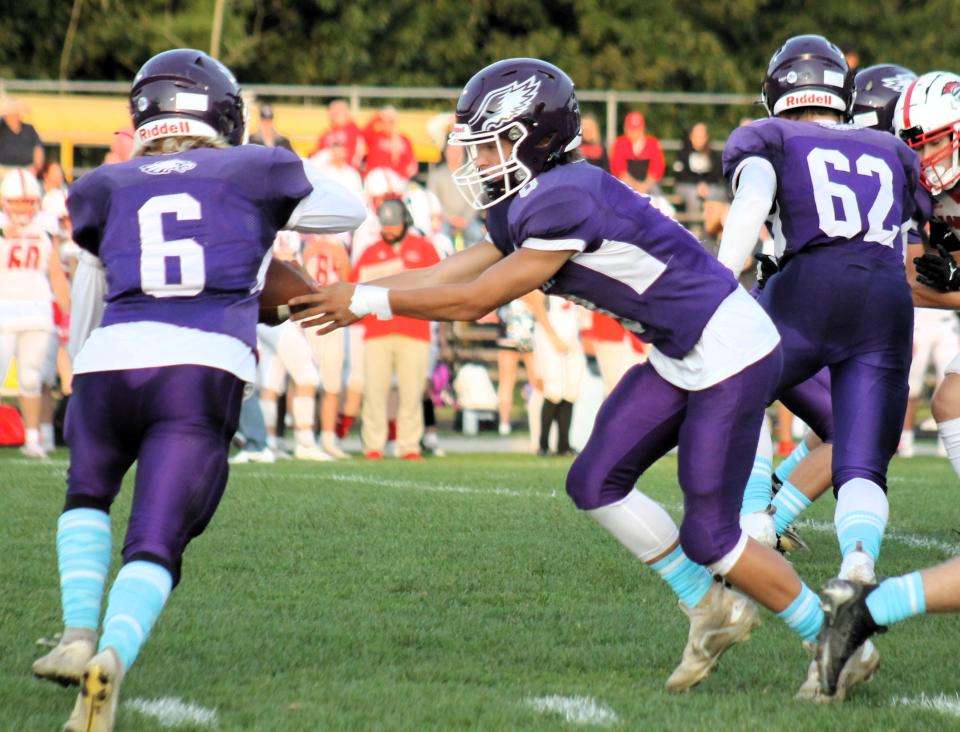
(836, 184)
(183, 236)
(633, 262)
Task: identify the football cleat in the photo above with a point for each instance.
(789, 541)
(860, 668)
(96, 704)
(847, 624)
(722, 619)
(760, 527)
(65, 663)
(857, 566)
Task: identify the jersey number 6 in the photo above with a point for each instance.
(173, 268)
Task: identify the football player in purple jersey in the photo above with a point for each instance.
(800, 479)
(179, 238)
(841, 199)
(571, 229)
(927, 117)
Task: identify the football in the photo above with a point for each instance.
(285, 279)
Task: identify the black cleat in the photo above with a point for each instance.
(847, 624)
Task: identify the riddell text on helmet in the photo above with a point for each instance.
(164, 129)
(809, 99)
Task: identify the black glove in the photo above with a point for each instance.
(767, 267)
(938, 271)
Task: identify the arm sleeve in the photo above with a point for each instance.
(755, 185)
(86, 300)
(329, 208)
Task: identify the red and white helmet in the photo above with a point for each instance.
(928, 112)
(20, 193)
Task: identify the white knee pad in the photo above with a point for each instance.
(640, 524)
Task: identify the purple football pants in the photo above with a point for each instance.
(716, 429)
(810, 401)
(840, 307)
(176, 422)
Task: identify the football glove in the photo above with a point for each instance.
(938, 271)
(767, 267)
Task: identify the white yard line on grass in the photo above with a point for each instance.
(376, 481)
(172, 712)
(942, 703)
(912, 540)
(574, 709)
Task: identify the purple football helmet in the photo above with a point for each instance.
(185, 92)
(807, 71)
(524, 101)
(877, 90)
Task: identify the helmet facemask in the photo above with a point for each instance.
(939, 171)
(482, 188)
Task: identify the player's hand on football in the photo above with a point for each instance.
(327, 309)
(938, 271)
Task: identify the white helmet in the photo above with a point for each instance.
(20, 192)
(927, 112)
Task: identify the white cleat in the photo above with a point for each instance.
(96, 705)
(857, 566)
(65, 663)
(333, 449)
(760, 527)
(35, 452)
(722, 619)
(311, 452)
(253, 456)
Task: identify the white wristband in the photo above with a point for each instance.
(370, 299)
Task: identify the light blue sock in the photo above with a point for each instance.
(787, 465)
(804, 615)
(756, 496)
(687, 579)
(897, 598)
(790, 503)
(863, 527)
(136, 599)
(83, 557)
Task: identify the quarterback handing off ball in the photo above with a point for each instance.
(285, 279)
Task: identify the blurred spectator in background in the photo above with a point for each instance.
(560, 364)
(334, 162)
(267, 134)
(460, 220)
(121, 147)
(615, 349)
(344, 132)
(699, 177)
(852, 56)
(387, 147)
(637, 158)
(514, 342)
(399, 346)
(20, 145)
(592, 146)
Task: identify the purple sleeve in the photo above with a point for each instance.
(555, 213)
(758, 139)
(86, 204)
(286, 184)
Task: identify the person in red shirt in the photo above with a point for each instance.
(399, 346)
(343, 132)
(637, 158)
(387, 147)
(616, 350)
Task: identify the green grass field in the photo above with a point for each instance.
(449, 595)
